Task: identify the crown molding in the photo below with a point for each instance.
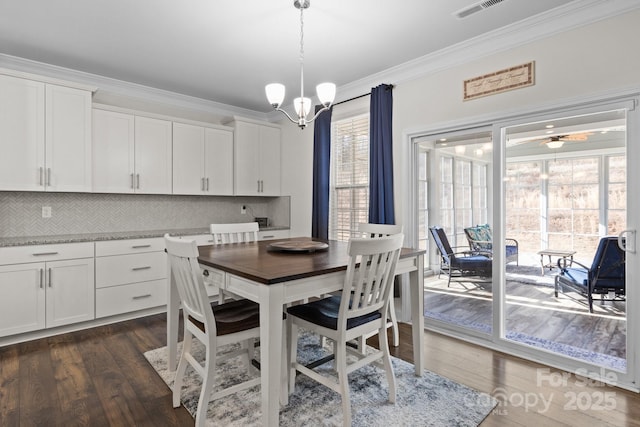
(570, 16)
(127, 89)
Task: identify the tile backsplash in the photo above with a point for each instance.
(77, 213)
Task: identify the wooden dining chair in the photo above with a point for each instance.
(380, 230)
(234, 233)
(214, 326)
(242, 232)
(360, 309)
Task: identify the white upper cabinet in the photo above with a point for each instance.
(68, 139)
(113, 157)
(131, 154)
(202, 160)
(152, 156)
(257, 159)
(45, 136)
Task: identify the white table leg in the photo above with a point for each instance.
(416, 279)
(271, 303)
(173, 310)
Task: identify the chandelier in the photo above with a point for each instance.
(326, 91)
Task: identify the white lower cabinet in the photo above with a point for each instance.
(131, 275)
(52, 291)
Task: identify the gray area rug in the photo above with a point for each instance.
(430, 400)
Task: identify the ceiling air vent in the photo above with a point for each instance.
(476, 7)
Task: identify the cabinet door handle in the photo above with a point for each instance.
(140, 246)
(258, 186)
(142, 296)
(202, 184)
(138, 181)
(50, 279)
(41, 175)
(146, 267)
(207, 184)
(45, 253)
(41, 278)
(132, 182)
(48, 177)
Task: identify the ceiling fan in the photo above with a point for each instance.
(558, 141)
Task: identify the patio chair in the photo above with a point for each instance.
(481, 241)
(605, 277)
(467, 265)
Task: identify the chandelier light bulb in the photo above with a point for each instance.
(326, 93)
(275, 94)
(302, 106)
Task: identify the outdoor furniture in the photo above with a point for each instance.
(461, 265)
(480, 240)
(562, 256)
(605, 277)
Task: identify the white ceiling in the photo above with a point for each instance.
(226, 51)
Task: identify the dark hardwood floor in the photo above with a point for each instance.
(99, 377)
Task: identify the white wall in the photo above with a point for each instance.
(593, 59)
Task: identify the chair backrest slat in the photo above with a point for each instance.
(370, 274)
(378, 230)
(243, 232)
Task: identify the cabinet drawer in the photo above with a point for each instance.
(273, 234)
(130, 246)
(43, 253)
(122, 269)
(132, 297)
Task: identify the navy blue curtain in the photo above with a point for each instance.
(381, 156)
(321, 170)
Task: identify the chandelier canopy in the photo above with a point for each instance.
(326, 91)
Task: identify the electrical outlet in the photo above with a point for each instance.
(243, 210)
(46, 212)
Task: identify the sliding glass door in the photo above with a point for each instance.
(453, 194)
(565, 186)
(538, 197)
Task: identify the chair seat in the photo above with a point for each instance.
(475, 262)
(324, 312)
(234, 316)
(575, 276)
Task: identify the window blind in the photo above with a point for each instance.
(349, 188)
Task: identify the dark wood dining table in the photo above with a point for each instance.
(273, 279)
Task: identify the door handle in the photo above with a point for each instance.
(627, 241)
(207, 184)
(48, 177)
(50, 280)
(41, 278)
